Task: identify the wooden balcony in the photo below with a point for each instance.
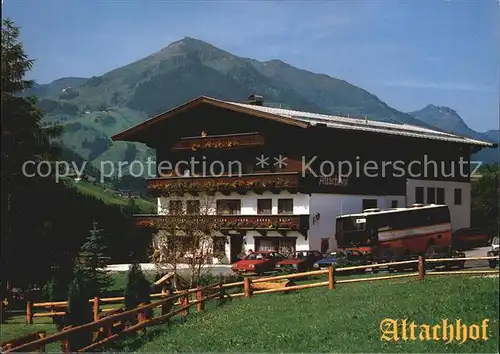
(241, 223)
(258, 183)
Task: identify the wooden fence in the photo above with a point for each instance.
(58, 308)
(250, 287)
(105, 327)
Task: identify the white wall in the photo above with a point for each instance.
(460, 214)
(249, 207)
(329, 206)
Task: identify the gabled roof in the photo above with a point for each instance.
(306, 120)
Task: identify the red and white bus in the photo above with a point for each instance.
(412, 229)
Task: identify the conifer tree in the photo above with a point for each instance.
(79, 308)
(138, 289)
(94, 262)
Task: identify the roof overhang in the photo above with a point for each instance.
(138, 132)
(132, 133)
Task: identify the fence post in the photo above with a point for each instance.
(200, 306)
(42, 335)
(141, 317)
(96, 308)
(248, 287)
(166, 307)
(66, 342)
(185, 302)
(222, 292)
(29, 312)
(421, 268)
(331, 278)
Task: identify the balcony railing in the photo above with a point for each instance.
(261, 223)
(258, 183)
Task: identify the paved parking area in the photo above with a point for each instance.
(225, 269)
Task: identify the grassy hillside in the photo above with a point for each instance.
(345, 320)
(109, 197)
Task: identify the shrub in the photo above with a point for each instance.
(138, 289)
(79, 310)
(94, 260)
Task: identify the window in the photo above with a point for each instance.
(248, 168)
(266, 245)
(193, 207)
(286, 245)
(228, 206)
(431, 195)
(458, 196)
(424, 217)
(264, 206)
(394, 204)
(279, 244)
(285, 206)
(440, 196)
(369, 203)
(175, 207)
(219, 245)
(419, 195)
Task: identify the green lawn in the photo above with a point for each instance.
(16, 327)
(315, 320)
(344, 320)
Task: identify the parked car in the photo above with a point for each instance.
(258, 262)
(299, 261)
(494, 251)
(340, 259)
(435, 252)
(393, 255)
(466, 238)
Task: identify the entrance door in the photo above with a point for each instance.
(325, 245)
(236, 245)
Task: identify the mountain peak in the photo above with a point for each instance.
(188, 44)
(188, 41)
(441, 109)
(446, 119)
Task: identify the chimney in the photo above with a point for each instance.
(255, 100)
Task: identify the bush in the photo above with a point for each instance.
(56, 290)
(79, 310)
(138, 289)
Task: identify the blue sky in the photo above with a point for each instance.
(408, 53)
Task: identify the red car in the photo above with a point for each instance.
(258, 262)
(300, 261)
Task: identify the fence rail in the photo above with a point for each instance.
(167, 304)
(30, 315)
(106, 323)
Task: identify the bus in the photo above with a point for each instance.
(413, 229)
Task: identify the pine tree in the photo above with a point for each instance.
(24, 137)
(138, 289)
(94, 262)
(79, 308)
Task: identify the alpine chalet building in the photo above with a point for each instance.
(278, 178)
